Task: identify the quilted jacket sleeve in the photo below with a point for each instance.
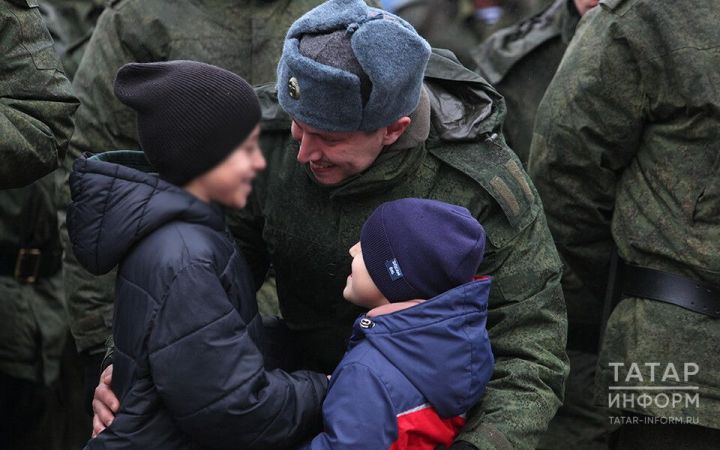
(357, 414)
(210, 373)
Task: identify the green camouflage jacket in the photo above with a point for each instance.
(36, 100)
(243, 36)
(33, 321)
(306, 229)
(626, 152)
(35, 126)
(520, 61)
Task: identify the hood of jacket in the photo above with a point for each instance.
(443, 338)
(464, 106)
(496, 56)
(117, 201)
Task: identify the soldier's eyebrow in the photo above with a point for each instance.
(323, 135)
(329, 136)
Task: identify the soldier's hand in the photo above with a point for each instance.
(105, 404)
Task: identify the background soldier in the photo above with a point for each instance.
(460, 25)
(626, 153)
(520, 61)
(35, 127)
(70, 23)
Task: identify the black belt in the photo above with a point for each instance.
(28, 264)
(671, 288)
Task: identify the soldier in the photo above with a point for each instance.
(70, 23)
(359, 136)
(520, 60)
(625, 154)
(242, 36)
(460, 25)
(35, 127)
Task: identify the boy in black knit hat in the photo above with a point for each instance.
(421, 357)
(188, 363)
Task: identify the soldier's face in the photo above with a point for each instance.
(334, 156)
(360, 288)
(584, 6)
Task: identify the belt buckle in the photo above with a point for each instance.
(27, 265)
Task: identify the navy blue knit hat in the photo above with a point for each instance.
(418, 249)
(362, 71)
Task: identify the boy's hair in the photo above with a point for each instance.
(418, 249)
(190, 115)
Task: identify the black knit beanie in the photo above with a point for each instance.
(190, 115)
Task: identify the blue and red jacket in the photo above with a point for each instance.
(408, 377)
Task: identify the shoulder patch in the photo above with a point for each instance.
(494, 167)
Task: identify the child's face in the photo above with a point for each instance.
(229, 183)
(360, 288)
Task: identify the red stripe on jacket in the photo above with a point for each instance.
(422, 428)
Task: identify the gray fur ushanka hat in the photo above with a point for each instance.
(390, 53)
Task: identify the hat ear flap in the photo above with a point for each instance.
(395, 71)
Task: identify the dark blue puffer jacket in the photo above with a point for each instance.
(409, 377)
(188, 367)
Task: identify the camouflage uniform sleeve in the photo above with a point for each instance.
(587, 131)
(103, 123)
(36, 102)
(527, 327)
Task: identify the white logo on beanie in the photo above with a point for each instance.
(393, 268)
